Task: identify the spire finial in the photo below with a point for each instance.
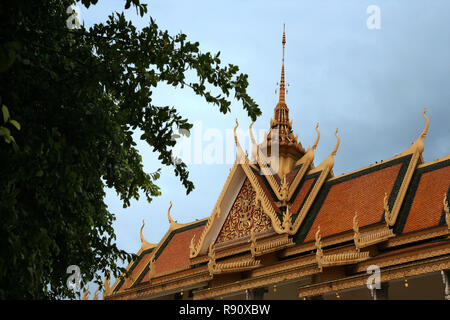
(282, 84)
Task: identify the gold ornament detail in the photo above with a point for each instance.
(152, 271)
(387, 211)
(447, 212)
(369, 238)
(253, 242)
(356, 235)
(287, 221)
(244, 215)
(86, 293)
(336, 259)
(107, 290)
(96, 294)
(284, 189)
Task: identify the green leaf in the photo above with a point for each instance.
(15, 124)
(5, 113)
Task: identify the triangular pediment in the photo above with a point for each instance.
(244, 215)
(239, 208)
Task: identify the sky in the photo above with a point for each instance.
(372, 84)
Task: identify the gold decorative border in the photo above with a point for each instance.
(146, 291)
(242, 247)
(386, 275)
(405, 257)
(416, 236)
(255, 282)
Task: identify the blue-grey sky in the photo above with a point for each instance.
(371, 84)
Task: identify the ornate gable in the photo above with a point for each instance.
(244, 216)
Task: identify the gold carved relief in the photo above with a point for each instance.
(244, 215)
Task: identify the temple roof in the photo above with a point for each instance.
(390, 206)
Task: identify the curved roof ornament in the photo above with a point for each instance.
(240, 152)
(447, 212)
(309, 155)
(106, 284)
(86, 294)
(168, 214)
(173, 224)
(254, 144)
(427, 125)
(329, 161)
(418, 145)
(314, 146)
(144, 244)
(336, 147)
(96, 294)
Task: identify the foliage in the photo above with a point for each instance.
(79, 94)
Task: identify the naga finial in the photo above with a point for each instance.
(96, 294)
(142, 236)
(319, 252)
(318, 137)
(254, 145)
(86, 293)
(447, 211)
(333, 153)
(318, 237)
(235, 135)
(151, 267)
(355, 223)
(387, 211)
(427, 125)
(144, 243)
(356, 231)
(168, 215)
(107, 290)
(192, 246)
(211, 259)
(238, 145)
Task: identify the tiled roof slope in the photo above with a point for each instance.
(362, 191)
(302, 192)
(173, 252)
(423, 206)
(136, 265)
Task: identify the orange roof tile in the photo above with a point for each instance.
(427, 206)
(175, 254)
(268, 193)
(301, 195)
(291, 175)
(363, 194)
(137, 266)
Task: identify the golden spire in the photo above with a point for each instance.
(281, 127)
(281, 110)
(282, 84)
